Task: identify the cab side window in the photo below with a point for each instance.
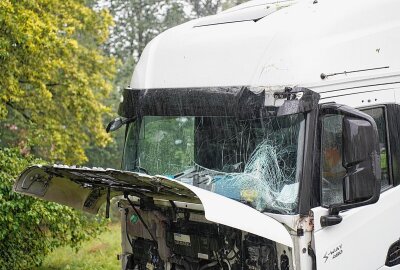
(380, 119)
(332, 170)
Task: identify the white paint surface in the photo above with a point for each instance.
(291, 46)
(365, 235)
(228, 212)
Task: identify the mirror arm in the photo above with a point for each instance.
(330, 220)
(122, 121)
(334, 209)
(334, 218)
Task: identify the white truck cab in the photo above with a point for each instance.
(264, 137)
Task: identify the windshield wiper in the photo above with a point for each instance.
(273, 210)
(140, 170)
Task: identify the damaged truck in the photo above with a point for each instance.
(264, 137)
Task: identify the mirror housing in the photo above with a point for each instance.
(117, 123)
(360, 158)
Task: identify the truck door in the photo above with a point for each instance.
(366, 237)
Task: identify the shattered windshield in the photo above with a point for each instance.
(255, 161)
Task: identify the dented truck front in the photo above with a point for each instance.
(220, 178)
(240, 150)
(211, 178)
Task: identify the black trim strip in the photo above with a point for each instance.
(393, 120)
(308, 196)
(243, 102)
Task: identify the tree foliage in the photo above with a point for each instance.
(31, 228)
(54, 76)
(202, 8)
(136, 22)
(231, 3)
(53, 82)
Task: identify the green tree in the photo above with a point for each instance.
(30, 228)
(202, 8)
(54, 77)
(231, 3)
(136, 22)
(53, 82)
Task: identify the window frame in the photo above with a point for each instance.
(393, 111)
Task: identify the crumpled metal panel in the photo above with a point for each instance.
(86, 188)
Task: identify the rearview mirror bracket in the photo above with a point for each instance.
(117, 123)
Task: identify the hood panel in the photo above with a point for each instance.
(86, 189)
(222, 210)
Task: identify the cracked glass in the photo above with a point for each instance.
(255, 161)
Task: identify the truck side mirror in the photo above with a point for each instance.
(360, 161)
(117, 123)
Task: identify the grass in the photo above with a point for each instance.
(97, 254)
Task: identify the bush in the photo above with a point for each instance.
(31, 228)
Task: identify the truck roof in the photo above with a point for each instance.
(310, 43)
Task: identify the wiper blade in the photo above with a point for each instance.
(140, 170)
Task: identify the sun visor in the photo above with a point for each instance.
(242, 102)
(215, 101)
